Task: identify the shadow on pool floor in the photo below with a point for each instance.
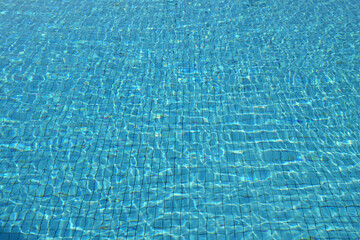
(11, 236)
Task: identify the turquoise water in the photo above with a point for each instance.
(167, 119)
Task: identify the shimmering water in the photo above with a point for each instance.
(206, 119)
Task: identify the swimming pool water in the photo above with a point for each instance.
(164, 119)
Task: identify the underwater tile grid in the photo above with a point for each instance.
(164, 119)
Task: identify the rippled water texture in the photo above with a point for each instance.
(206, 119)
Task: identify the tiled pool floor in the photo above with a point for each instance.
(162, 119)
